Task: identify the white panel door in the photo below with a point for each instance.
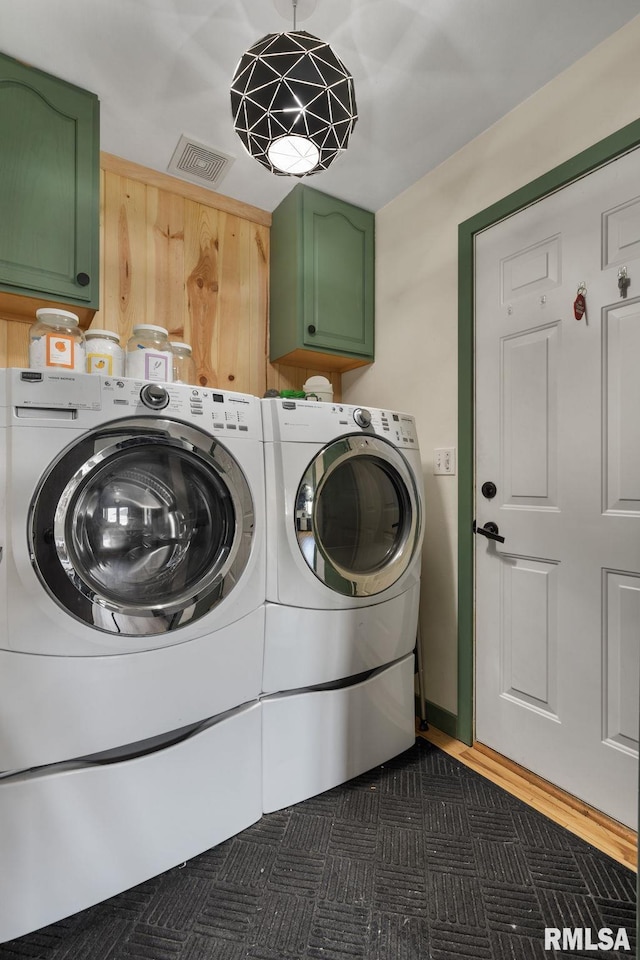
(558, 433)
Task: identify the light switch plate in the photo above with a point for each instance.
(444, 461)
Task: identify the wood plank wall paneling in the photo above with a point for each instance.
(170, 256)
(165, 271)
(14, 343)
(198, 271)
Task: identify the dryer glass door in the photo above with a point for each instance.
(139, 529)
(357, 515)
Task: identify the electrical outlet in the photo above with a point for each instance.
(444, 461)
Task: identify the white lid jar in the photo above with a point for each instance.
(149, 354)
(56, 341)
(319, 387)
(184, 368)
(104, 353)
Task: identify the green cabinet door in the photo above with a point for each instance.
(49, 186)
(322, 282)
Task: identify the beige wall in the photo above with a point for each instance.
(416, 291)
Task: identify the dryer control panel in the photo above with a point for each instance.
(317, 422)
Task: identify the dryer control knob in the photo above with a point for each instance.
(362, 417)
(154, 395)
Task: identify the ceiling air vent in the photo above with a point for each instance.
(199, 163)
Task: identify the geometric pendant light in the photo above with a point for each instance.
(293, 103)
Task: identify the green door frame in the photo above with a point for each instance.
(590, 159)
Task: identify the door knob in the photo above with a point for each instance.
(490, 531)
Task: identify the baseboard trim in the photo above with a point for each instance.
(442, 719)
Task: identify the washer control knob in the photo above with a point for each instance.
(154, 395)
(362, 417)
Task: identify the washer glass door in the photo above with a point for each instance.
(140, 527)
(357, 515)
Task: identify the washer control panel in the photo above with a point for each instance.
(86, 399)
(216, 411)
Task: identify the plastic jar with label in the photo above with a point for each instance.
(184, 368)
(104, 353)
(149, 355)
(56, 341)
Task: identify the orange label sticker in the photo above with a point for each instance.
(60, 351)
(100, 363)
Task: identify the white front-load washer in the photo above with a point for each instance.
(345, 521)
(132, 588)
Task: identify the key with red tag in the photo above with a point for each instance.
(580, 302)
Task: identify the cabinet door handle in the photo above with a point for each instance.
(83, 279)
(311, 329)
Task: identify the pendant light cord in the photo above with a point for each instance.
(295, 4)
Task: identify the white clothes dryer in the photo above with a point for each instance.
(132, 588)
(345, 527)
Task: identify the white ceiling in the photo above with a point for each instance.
(429, 74)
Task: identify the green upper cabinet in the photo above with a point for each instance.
(322, 282)
(49, 188)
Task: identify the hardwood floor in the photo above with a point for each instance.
(607, 835)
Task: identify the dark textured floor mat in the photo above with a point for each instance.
(420, 859)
